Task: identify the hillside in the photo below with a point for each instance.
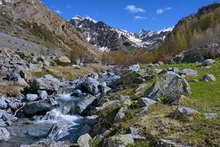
(32, 21)
(201, 30)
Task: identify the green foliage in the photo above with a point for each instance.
(188, 30)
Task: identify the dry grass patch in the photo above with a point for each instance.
(10, 89)
(69, 72)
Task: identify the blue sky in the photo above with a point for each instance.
(131, 15)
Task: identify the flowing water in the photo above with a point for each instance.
(58, 124)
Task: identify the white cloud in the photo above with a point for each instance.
(134, 9)
(163, 10)
(140, 17)
(58, 11)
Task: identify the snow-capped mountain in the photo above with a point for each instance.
(153, 37)
(108, 38)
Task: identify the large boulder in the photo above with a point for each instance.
(170, 84)
(84, 140)
(90, 85)
(131, 78)
(84, 103)
(47, 82)
(39, 107)
(109, 78)
(16, 78)
(63, 61)
(118, 141)
(4, 134)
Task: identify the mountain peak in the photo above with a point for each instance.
(80, 18)
(109, 38)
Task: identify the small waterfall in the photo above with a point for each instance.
(66, 124)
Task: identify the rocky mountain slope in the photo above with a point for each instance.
(32, 21)
(108, 38)
(198, 33)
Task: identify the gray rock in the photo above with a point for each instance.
(190, 72)
(43, 94)
(118, 141)
(84, 140)
(5, 116)
(31, 97)
(209, 78)
(84, 103)
(135, 68)
(14, 105)
(21, 82)
(4, 134)
(211, 115)
(39, 107)
(12, 76)
(206, 67)
(120, 115)
(110, 78)
(208, 62)
(186, 111)
(169, 143)
(145, 102)
(47, 82)
(90, 85)
(170, 84)
(94, 75)
(3, 123)
(136, 133)
(3, 104)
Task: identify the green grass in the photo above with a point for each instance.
(157, 123)
(205, 98)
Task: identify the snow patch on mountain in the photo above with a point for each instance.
(108, 38)
(169, 29)
(79, 18)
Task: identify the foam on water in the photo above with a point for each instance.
(55, 116)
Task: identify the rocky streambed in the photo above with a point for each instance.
(57, 112)
(53, 109)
